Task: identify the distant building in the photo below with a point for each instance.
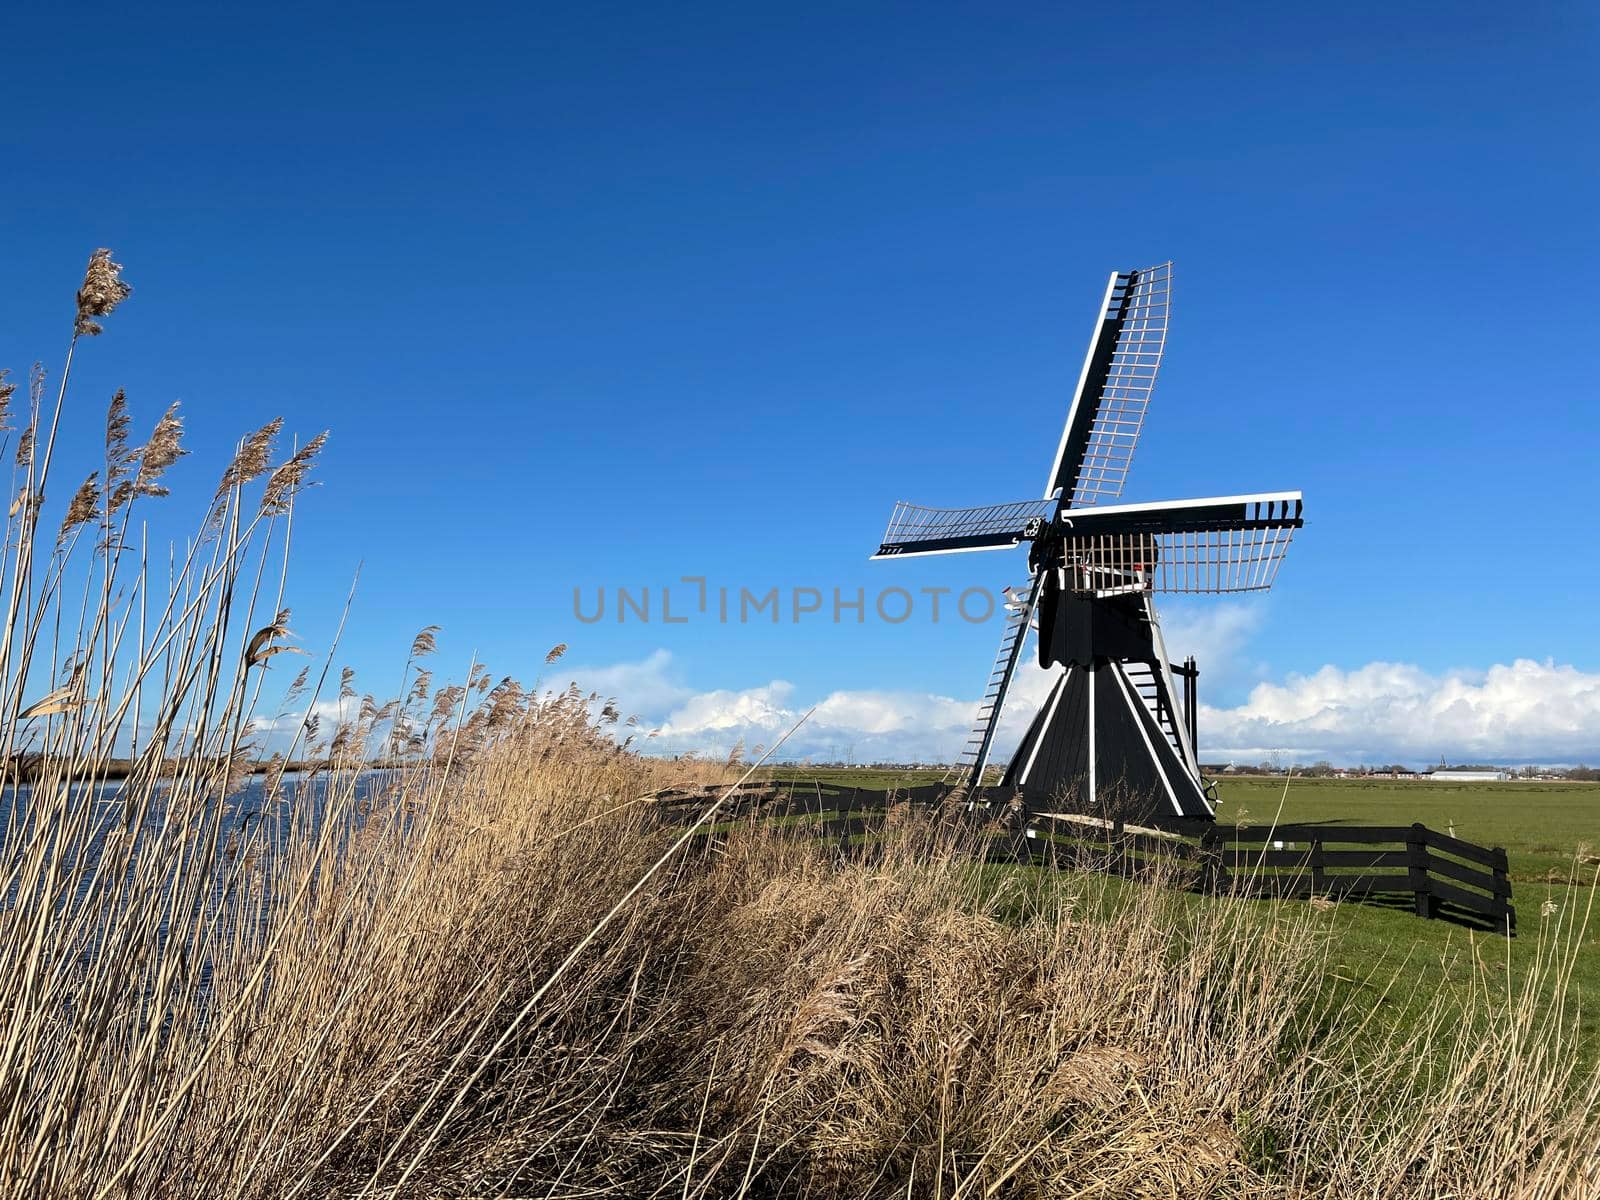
(1469, 776)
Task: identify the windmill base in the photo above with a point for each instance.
(1094, 748)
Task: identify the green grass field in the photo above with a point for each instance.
(1550, 832)
(1543, 826)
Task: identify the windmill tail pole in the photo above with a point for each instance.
(1191, 703)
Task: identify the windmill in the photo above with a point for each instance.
(1110, 736)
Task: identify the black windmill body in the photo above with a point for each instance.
(1111, 737)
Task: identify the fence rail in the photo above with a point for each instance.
(1437, 870)
(1441, 876)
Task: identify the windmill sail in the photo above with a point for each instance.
(1119, 373)
(917, 530)
(1219, 544)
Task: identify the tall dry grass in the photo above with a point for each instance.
(484, 973)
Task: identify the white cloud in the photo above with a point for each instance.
(867, 724)
(1216, 634)
(329, 714)
(1525, 711)
(645, 687)
(863, 725)
(758, 710)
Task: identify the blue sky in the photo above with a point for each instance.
(599, 295)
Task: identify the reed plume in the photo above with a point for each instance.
(82, 509)
(286, 480)
(426, 641)
(162, 450)
(102, 290)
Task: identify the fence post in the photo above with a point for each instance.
(1501, 867)
(1215, 870)
(1319, 877)
(1417, 853)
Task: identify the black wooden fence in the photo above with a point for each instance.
(1400, 865)
(1440, 873)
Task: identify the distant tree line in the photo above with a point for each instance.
(1323, 769)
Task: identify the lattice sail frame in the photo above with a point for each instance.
(1198, 561)
(1185, 548)
(914, 529)
(1144, 298)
